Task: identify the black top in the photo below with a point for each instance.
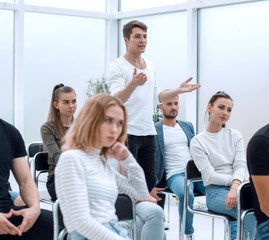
(11, 146)
(258, 164)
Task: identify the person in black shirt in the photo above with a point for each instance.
(258, 165)
(27, 222)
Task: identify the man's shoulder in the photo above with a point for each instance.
(117, 61)
(158, 124)
(185, 123)
(5, 126)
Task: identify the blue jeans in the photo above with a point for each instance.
(113, 226)
(215, 200)
(176, 184)
(149, 221)
(13, 195)
(263, 231)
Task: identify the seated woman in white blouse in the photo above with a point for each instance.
(87, 187)
(218, 153)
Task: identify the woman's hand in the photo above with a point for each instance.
(118, 151)
(231, 197)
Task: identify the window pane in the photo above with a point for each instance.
(6, 65)
(129, 5)
(234, 57)
(58, 49)
(166, 48)
(87, 5)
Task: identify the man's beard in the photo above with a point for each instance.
(169, 116)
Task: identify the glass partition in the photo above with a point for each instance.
(89, 5)
(58, 49)
(6, 65)
(234, 57)
(166, 48)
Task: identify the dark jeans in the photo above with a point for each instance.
(51, 188)
(41, 230)
(143, 150)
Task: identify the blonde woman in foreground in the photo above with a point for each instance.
(87, 187)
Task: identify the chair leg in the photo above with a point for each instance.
(213, 229)
(168, 209)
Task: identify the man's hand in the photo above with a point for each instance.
(118, 151)
(139, 79)
(186, 87)
(6, 227)
(154, 192)
(29, 215)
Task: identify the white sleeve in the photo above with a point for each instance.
(239, 165)
(209, 175)
(72, 192)
(134, 184)
(116, 78)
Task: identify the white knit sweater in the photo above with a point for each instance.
(219, 156)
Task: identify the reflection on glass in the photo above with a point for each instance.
(58, 49)
(6, 65)
(129, 5)
(87, 5)
(166, 48)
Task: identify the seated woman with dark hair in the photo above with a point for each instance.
(61, 115)
(218, 153)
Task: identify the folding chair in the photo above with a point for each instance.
(59, 230)
(244, 206)
(192, 174)
(32, 149)
(167, 192)
(40, 165)
(125, 210)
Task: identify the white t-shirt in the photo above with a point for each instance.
(219, 156)
(176, 150)
(140, 104)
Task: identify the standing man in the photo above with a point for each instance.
(28, 222)
(258, 166)
(172, 152)
(131, 78)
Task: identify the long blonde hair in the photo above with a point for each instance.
(84, 133)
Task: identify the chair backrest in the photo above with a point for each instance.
(124, 207)
(192, 171)
(41, 161)
(33, 148)
(245, 196)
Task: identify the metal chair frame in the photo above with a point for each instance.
(125, 211)
(244, 206)
(192, 175)
(59, 230)
(32, 149)
(40, 164)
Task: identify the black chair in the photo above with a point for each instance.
(59, 230)
(39, 166)
(244, 206)
(125, 211)
(32, 149)
(192, 174)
